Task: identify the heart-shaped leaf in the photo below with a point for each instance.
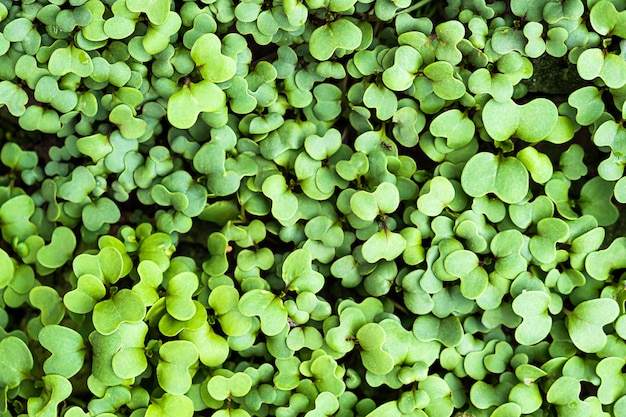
(298, 274)
(371, 339)
(178, 301)
(170, 405)
(436, 195)
(124, 307)
(67, 348)
(176, 357)
(267, 307)
(585, 324)
(99, 213)
(59, 250)
(16, 361)
(504, 176)
(88, 292)
(186, 104)
(383, 245)
(212, 348)
(129, 354)
(156, 10)
(13, 97)
(532, 306)
(70, 59)
(341, 33)
(222, 388)
(213, 65)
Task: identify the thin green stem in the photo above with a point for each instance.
(416, 6)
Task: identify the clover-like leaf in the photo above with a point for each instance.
(131, 127)
(124, 307)
(455, 127)
(444, 84)
(383, 245)
(212, 64)
(267, 307)
(99, 213)
(536, 46)
(596, 200)
(122, 24)
(47, 91)
(59, 250)
(67, 348)
(407, 62)
(16, 361)
(532, 306)
(70, 59)
(150, 277)
(449, 34)
(436, 195)
(465, 265)
(17, 29)
(588, 104)
(610, 67)
(39, 118)
(186, 104)
(156, 10)
(129, 350)
(531, 122)
(237, 385)
(564, 390)
(298, 274)
(13, 97)
(338, 34)
(326, 404)
(212, 348)
(178, 300)
(504, 176)
(327, 374)
(284, 202)
(342, 338)
(585, 324)
(90, 289)
(499, 86)
(371, 339)
(606, 20)
(507, 246)
(321, 148)
(81, 183)
(171, 405)
(537, 163)
(612, 383)
(385, 199)
(550, 231)
(380, 98)
(225, 301)
(176, 357)
(48, 301)
(448, 331)
(7, 269)
(586, 244)
(506, 40)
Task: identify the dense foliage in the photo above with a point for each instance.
(312, 208)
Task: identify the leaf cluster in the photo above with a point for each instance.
(312, 208)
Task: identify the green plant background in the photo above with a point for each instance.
(312, 208)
